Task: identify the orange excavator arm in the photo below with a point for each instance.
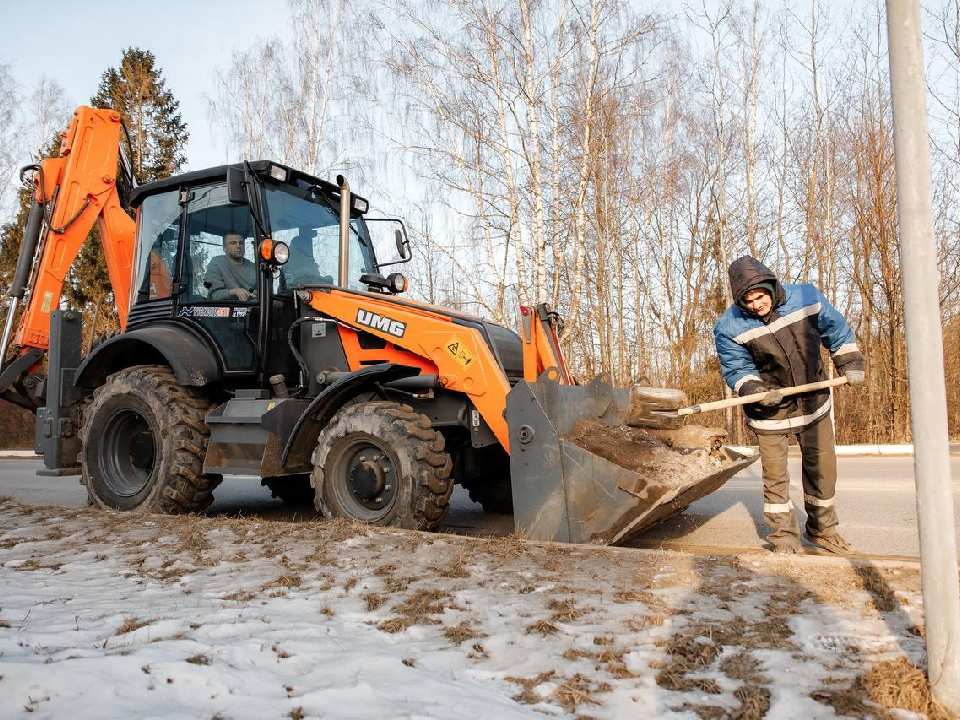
(73, 191)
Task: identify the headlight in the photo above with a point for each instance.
(276, 253)
(397, 282)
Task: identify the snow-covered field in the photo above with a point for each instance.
(105, 615)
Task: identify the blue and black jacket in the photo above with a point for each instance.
(781, 349)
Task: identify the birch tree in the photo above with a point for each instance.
(508, 114)
(290, 98)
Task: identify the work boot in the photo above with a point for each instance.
(783, 549)
(832, 543)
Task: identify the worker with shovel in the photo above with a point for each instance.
(768, 340)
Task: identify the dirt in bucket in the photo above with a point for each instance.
(657, 455)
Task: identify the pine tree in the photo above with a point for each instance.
(136, 89)
(157, 137)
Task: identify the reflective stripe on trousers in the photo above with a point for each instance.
(819, 477)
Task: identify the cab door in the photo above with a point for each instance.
(219, 282)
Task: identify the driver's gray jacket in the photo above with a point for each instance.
(222, 276)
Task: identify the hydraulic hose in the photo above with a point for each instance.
(31, 236)
(305, 380)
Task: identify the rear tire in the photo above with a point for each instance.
(382, 463)
(144, 440)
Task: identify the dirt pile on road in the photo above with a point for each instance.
(664, 456)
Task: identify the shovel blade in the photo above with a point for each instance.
(565, 493)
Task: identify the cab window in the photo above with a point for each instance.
(219, 264)
(158, 236)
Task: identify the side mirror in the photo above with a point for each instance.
(387, 252)
(403, 245)
(236, 186)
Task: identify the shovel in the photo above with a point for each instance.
(747, 399)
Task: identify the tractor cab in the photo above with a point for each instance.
(224, 251)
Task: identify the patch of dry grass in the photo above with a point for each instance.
(653, 603)
(478, 652)
(528, 686)
(33, 563)
(397, 585)
(374, 601)
(192, 537)
(285, 580)
(395, 624)
(846, 697)
(425, 602)
(754, 702)
(131, 624)
(578, 690)
(509, 547)
(340, 528)
(899, 684)
(687, 655)
(742, 666)
(542, 627)
(458, 634)
(564, 610)
(417, 608)
(613, 660)
(457, 568)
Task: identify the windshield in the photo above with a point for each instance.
(304, 220)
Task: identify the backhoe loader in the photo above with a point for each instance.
(259, 336)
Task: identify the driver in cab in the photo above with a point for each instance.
(231, 276)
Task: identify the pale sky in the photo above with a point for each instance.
(74, 44)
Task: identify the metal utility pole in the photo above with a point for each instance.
(928, 402)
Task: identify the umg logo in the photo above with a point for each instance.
(381, 323)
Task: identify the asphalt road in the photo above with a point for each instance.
(875, 499)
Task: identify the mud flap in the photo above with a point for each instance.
(564, 493)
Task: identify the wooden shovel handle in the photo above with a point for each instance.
(756, 397)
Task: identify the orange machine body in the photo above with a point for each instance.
(429, 338)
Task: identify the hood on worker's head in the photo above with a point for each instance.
(747, 273)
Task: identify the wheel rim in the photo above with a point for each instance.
(364, 479)
(127, 453)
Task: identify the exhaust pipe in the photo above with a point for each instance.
(343, 266)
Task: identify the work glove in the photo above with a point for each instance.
(773, 398)
(854, 377)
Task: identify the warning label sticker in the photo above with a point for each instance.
(460, 353)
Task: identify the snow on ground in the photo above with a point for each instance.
(106, 615)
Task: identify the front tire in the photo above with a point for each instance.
(144, 439)
(382, 463)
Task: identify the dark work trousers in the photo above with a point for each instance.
(819, 469)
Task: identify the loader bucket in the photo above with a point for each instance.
(565, 493)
